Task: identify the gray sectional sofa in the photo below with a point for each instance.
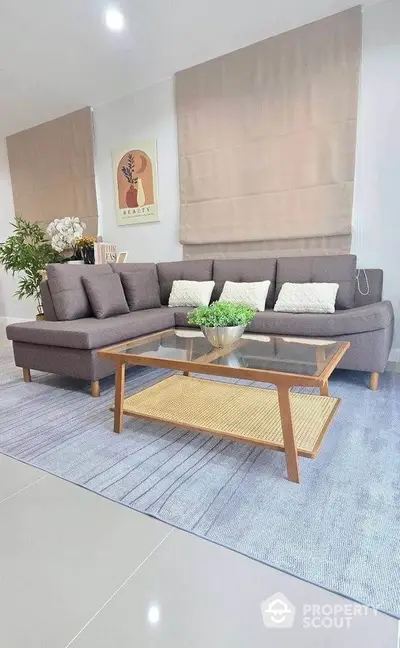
(67, 342)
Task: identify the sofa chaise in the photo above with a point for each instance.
(67, 342)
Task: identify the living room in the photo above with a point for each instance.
(265, 141)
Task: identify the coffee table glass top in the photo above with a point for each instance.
(301, 356)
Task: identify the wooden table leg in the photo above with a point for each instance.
(321, 362)
(119, 397)
(321, 358)
(189, 354)
(27, 374)
(288, 435)
(324, 389)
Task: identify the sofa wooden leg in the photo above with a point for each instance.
(95, 388)
(374, 381)
(27, 374)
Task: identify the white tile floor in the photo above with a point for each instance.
(78, 570)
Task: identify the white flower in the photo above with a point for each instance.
(51, 229)
(63, 233)
(57, 243)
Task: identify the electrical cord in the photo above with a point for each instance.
(366, 283)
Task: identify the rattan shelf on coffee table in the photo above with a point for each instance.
(242, 413)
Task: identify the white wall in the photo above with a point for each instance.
(376, 220)
(10, 308)
(144, 115)
(151, 113)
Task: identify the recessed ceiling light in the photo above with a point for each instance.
(153, 614)
(114, 19)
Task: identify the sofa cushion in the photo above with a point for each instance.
(142, 289)
(198, 270)
(339, 269)
(190, 293)
(91, 333)
(356, 320)
(307, 298)
(106, 295)
(69, 297)
(181, 314)
(248, 270)
(253, 294)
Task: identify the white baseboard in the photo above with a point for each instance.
(5, 321)
(394, 355)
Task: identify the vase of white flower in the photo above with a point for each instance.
(64, 233)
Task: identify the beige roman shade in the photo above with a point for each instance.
(52, 170)
(267, 139)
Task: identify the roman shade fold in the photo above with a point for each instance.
(52, 170)
(267, 139)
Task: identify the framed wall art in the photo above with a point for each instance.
(135, 180)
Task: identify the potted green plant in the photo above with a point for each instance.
(222, 323)
(27, 253)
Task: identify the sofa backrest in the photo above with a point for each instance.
(197, 270)
(64, 297)
(132, 267)
(66, 288)
(47, 302)
(244, 270)
(339, 269)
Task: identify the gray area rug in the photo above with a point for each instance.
(340, 528)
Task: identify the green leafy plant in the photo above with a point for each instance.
(27, 252)
(222, 314)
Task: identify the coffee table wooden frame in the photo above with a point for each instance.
(283, 381)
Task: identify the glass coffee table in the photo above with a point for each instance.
(279, 419)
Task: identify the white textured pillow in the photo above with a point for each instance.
(190, 293)
(307, 298)
(253, 294)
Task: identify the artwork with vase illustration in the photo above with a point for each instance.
(135, 177)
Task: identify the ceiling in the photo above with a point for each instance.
(56, 57)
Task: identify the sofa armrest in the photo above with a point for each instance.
(368, 287)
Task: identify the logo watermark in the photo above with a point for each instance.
(279, 612)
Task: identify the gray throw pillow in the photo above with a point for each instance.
(106, 295)
(142, 289)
